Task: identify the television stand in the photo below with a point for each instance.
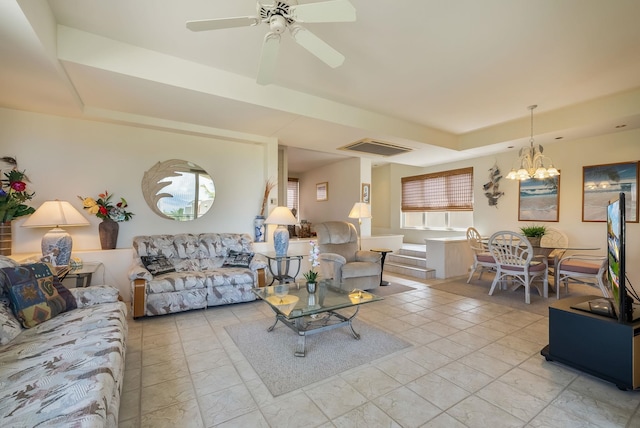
(595, 344)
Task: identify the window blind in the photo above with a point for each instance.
(292, 194)
(441, 191)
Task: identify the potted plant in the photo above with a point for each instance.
(312, 275)
(534, 233)
(13, 201)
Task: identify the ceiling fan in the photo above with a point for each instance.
(283, 14)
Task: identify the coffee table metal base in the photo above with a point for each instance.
(305, 326)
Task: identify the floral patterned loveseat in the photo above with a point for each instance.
(190, 272)
(68, 368)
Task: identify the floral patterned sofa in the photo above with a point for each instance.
(68, 368)
(190, 272)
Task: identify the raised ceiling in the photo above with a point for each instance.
(447, 79)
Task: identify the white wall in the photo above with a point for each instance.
(67, 157)
(569, 157)
(345, 180)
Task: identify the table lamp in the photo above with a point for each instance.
(56, 241)
(283, 217)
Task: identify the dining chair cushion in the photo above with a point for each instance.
(533, 267)
(486, 257)
(580, 267)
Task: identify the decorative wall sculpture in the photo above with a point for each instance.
(492, 188)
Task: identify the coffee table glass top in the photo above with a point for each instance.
(293, 300)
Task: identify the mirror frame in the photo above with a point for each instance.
(152, 182)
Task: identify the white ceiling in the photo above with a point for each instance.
(449, 79)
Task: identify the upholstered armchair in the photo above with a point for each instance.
(341, 260)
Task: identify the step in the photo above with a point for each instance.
(402, 259)
(411, 261)
(415, 250)
(412, 271)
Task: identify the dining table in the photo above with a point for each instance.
(543, 251)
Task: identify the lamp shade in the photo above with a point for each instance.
(360, 210)
(57, 242)
(281, 215)
(56, 213)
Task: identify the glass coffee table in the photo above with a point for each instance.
(306, 313)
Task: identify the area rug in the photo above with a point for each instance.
(327, 353)
(479, 289)
(391, 289)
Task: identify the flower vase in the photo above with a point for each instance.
(108, 231)
(5, 238)
(311, 287)
(259, 228)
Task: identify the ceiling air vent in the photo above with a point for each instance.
(374, 147)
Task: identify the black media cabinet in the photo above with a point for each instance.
(595, 344)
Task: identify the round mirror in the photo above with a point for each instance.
(178, 190)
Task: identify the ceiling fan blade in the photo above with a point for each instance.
(217, 24)
(268, 58)
(328, 11)
(317, 46)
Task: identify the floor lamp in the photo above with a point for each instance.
(360, 210)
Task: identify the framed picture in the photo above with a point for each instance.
(603, 183)
(366, 191)
(322, 191)
(539, 200)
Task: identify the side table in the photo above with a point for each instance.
(282, 265)
(383, 253)
(84, 274)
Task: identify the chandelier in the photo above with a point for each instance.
(532, 161)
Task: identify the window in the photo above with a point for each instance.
(292, 195)
(442, 200)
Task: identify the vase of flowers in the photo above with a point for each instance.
(13, 195)
(110, 213)
(312, 276)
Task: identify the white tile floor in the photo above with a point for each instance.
(473, 364)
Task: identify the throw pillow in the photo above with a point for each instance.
(36, 294)
(236, 259)
(9, 326)
(157, 264)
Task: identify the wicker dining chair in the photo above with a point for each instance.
(515, 259)
(482, 259)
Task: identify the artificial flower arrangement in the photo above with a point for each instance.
(105, 209)
(14, 194)
(312, 275)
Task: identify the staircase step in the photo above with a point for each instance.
(412, 271)
(413, 250)
(410, 260)
(401, 259)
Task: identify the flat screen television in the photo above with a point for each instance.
(616, 254)
(621, 306)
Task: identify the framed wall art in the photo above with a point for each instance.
(539, 199)
(603, 183)
(366, 192)
(322, 191)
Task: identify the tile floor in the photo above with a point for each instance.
(473, 364)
